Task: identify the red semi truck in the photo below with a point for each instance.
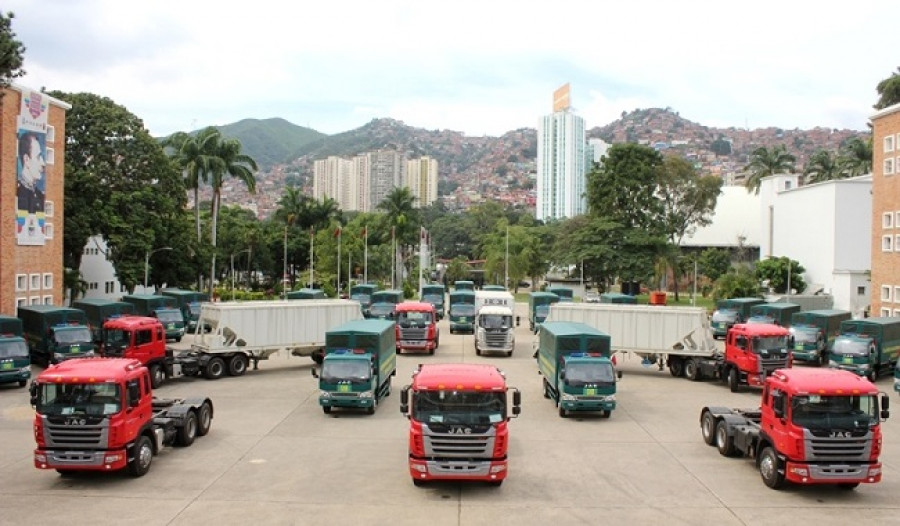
(752, 352)
(459, 415)
(815, 426)
(143, 338)
(99, 414)
(416, 327)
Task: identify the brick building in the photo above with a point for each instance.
(32, 154)
(886, 212)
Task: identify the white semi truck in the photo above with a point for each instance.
(255, 330)
(494, 329)
(662, 335)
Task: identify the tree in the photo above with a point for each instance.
(11, 52)
(402, 219)
(457, 270)
(196, 157)
(781, 272)
(714, 262)
(765, 162)
(822, 166)
(856, 157)
(888, 91)
(720, 147)
(736, 283)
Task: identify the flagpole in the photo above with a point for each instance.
(421, 256)
(366, 256)
(506, 271)
(312, 240)
(393, 255)
(338, 266)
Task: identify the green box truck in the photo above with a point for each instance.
(774, 313)
(163, 308)
(813, 333)
(565, 294)
(15, 364)
(99, 310)
(383, 302)
(360, 359)
(617, 297)
(539, 307)
(189, 301)
(730, 312)
(868, 347)
(434, 294)
(462, 311)
(55, 334)
(362, 292)
(574, 359)
(464, 285)
(306, 294)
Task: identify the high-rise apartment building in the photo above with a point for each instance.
(343, 180)
(886, 212)
(422, 180)
(561, 160)
(387, 170)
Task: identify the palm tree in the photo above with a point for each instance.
(402, 217)
(822, 166)
(856, 157)
(195, 156)
(228, 161)
(888, 91)
(765, 162)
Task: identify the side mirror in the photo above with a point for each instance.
(33, 391)
(517, 399)
(619, 375)
(314, 373)
(404, 400)
(562, 375)
(885, 407)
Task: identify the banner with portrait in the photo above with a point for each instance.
(31, 175)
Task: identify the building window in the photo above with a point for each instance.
(896, 312)
(21, 302)
(887, 220)
(896, 294)
(885, 293)
(35, 282)
(48, 281)
(21, 282)
(889, 166)
(48, 300)
(48, 209)
(888, 143)
(51, 133)
(34, 300)
(48, 230)
(50, 156)
(787, 185)
(861, 290)
(886, 243)
(885, 313)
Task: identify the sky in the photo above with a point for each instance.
(479, 67)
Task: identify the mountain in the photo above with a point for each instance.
(271, 141)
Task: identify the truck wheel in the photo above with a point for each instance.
(495, 483)
(605, 413)
(215, 368)
(546, 389)
(873, 375)
(676, 367)
(734, 380)
(204, 419)
(237, 366)
(188, 432)
(708, 428)
(22, 383)
(178, 339)
(143, 457)
(477, 350)
(724, 443)
(509, 353)
(418, 483)
(371, 410)
(769, 467)
(562, 412)
(692, 370)
(318, 357)
(326, 409)
(157, 376)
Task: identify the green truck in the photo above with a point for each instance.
(539, 307)
(579, 375)
(306, 294)
(868, 347)
(464, 285)
(730, 312)
(99, 310)
(774, 313)
(617, 297)
(383, 302)
(813, 333)
(55, 334)
(189, 301)
(565, 294)
(495, 288)
(163, 308)
(434, 294)
(360, 359)
(15, 364)
(462, 311)
(362, 292)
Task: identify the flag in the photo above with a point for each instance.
(337, 231)
(311, 232)
(364, 232)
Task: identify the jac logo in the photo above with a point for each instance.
(461, 431)
(74, 421)
(840, 434)
(494, 301)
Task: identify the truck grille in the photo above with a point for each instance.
(458, 446)
(76, 432)
(495, 339)
(769, 365)
(853, 448)
(412, 333)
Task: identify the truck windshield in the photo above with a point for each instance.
(433, 298)
(194, 309)
(365, 299)
(542, 311)
(73, 335)
(761, 319)
(850, 347)
(581, 374)
(170, 316)
(382, 309)
(495, 321)
(79, 399)
(413, 319)
(817, 412)
(805, 335)
(769, 343)
(353, 371)
(459, 407)
(726, 315)
(462, 309)
(13, 349)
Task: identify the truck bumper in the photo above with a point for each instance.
(462, 328)
(806, 355)
(174, 334)
(80, 460)
(336, 400)
(455, 469)
(587, 405)
(897, 384)
(416, 345)
(18, 375)
(802, 473)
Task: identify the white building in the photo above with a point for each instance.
(735, 221)
(100, 276)
(561, 159)
(422, 180)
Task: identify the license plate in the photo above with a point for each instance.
(407, 343)
(170, 326)
(848, 359)
(75, 349)
(590, 391)
(6, 365)
(798, 347)
(343, 388)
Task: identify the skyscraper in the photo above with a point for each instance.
(561, 160)
(422, 179)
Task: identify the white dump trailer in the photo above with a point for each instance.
(255, 330)
(658, 334)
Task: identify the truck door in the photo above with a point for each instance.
(143, 343)
(137, 410)
(739, 353)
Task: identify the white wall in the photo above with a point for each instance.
(736, 214)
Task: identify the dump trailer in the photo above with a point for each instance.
(868, 347)
(362, 292)
(565, 294)
(578, 374)
(99, 414)
(163, 307)
(814, 426)
(255, 330)
(306, 294)
(813, 333)
(360, 360)
(777, 313)
(731, 311)
(539, 307)
(55, 333)
(462, 311)
(189, 302)
(434, 294)
(15, 364)
(99, 310)
(459, 422)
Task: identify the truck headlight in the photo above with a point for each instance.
(864, 367)
(89, 354)
(325, 394)
(25, 370)
(609, 398)
(59, 357)
(367, 394)
(567, 397)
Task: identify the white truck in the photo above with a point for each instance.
(494, 330)
(255, 330)
(662, 335)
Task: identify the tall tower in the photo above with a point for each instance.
(560, 161)
(421, 179)
(387, 170)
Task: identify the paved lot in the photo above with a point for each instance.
(273, 457)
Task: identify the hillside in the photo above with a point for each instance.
(271, 141)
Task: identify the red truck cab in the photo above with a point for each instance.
(416, 327)
(139, 337)
(753, 352)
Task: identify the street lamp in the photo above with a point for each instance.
(247, 250)
(147, 263)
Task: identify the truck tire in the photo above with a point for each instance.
(692, 370)
(326, 409)
(708, 428)
(187, 433)
(562, 412)
(477, 350)
(143, 457)
(546, 389)
(734, 379)
(873, 374)
(724, 443)
(769, 468)
(22, 383)
(237, 365)
(848, 485)
(215, 368)
(605, 413)
(418, 483)
(204, 419)
(157, 375)
(676, 366)
(371, 410)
